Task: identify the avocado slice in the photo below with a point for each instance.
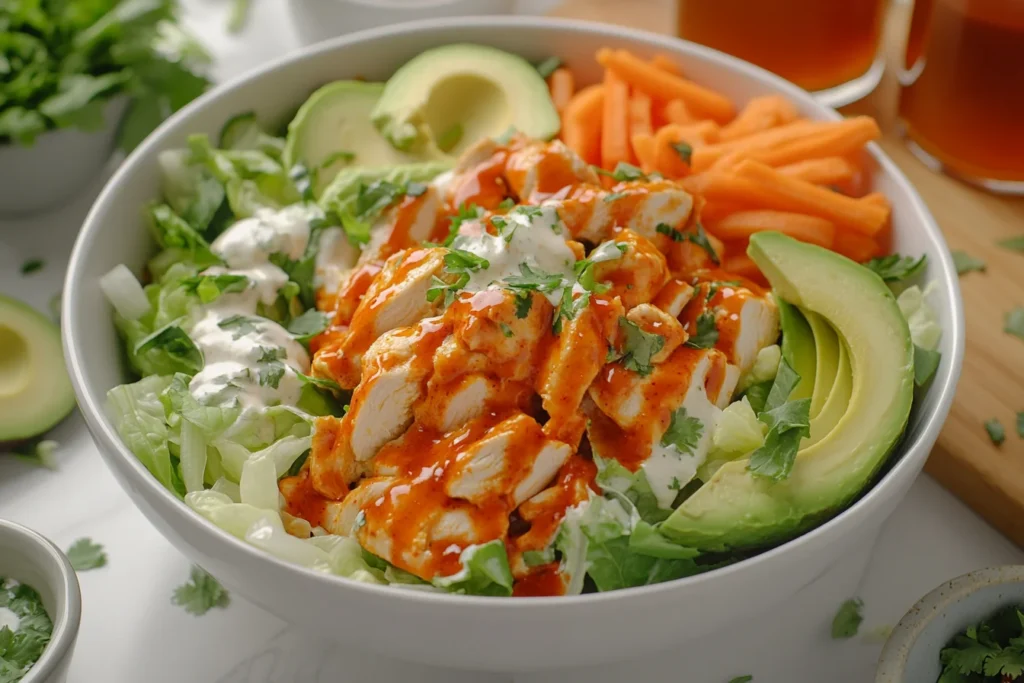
(826, 354)
(797, 348)
(332, 131)
(462, 93)
(837, 403)
(35, 391)
(738, 510)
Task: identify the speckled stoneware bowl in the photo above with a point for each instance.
(911, 655)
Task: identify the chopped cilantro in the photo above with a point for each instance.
(524, 302)
(530, 279)
(706, 335)
(622, 172)
(742, 679)
(683, 433)
(209, 287)
(568, 308)
(584, 269)
(84, 555)
(449, 290)
(684, 150)
(31, 266)
(319, 382)
(241, 324)
(450, 137)
(269, 368)
(788, 422)
(460, 260)
(506, 330)
(608, 198)
(548, 66)
(20, 649)
(666, 229)
(639, 347)
(990, 651)
(698, 237)
(1012, 243)
(894, 268)
(506, 203)
(308, 325)
(926, 362)
(848, 618)
(1014, 322)
(201, 593)
(675, 485)
(965, 263)
(996, 431)
(465, 213)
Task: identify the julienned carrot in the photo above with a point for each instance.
(615, 121)
(643, 148)
(792, 194)
(742, 265)
(760, 113)
(876, 198)
(581, 123)
(838, 139)
(562, 84)
(661, 85)
(675, 111)
(853, 245)
(673, 144)
(743, 224)
(773, 136)
(823, 171)
(666, 64)
(639, 114)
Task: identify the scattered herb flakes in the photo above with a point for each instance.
(548, 66)
(926, 362)
(1013, 243)
(684, 150)
(895, 268)
(308, 325)
(848, 618)
(319, 382)
(1014, 323)
(530, 279)
(506, 204)
(241, 324)
(622, 172)
(85, 555)
(201, 593)
(965, 263)
(524, 302)
(698, 237)
(31, 266)
(611, 197)
(669, 231)
(639, 347)
(683, 433)
(706, 335)
(506, 330)
(269, 368)
(996, 431)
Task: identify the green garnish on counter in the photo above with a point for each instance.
(200, 593)
(848, 618)
(85, 555)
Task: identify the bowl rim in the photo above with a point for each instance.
(67, 593)
(892, 661)
(111, 446)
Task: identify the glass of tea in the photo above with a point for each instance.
(830, 47)
(962, 97)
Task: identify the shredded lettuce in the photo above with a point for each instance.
(612, 477)
(485, 571)
(139, 418)
(925, 331)
(766, 365)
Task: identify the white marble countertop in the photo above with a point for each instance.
(131, 632)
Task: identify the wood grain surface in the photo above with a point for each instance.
(988, 478)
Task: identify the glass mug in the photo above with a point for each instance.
(830, 47)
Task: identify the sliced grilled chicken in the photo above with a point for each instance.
(638, 275)
(594, 215)
(656, 321)
(541, 169)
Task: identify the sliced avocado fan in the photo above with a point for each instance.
(736, 509)
(35, 391)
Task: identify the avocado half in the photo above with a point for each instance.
(738, 510)
(35, 391)
(473, 91)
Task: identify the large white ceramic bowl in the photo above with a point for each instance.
(477, 632)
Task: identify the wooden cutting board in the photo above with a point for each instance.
(990, 479)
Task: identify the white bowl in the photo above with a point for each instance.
(35, 561)
(477, 632)
(912, 651)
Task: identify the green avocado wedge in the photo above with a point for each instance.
(798, 348)
(737, 510)
(826, 352)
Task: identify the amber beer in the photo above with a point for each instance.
(962, 101)
(817, 44)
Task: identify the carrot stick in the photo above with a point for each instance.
(562, 84)
(786, 193)
(823, 171)
(581, 123)
(643, 147)
(675, 111)
(665, 86)
(774, 136)
(639, 114)
(615, 121)
(837, 139)
(760, 113)
(741, 264)
(669, 154)
(665, 63)
(805, 228)
(856, 246)
(877, 199)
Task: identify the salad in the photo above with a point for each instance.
(418, 341)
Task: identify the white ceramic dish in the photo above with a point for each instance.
(33, 560)
(911, 653)
(474, 632)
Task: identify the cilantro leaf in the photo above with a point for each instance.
(506, 204)
(201, 593)
(524, 302)
(308, 325)
(967, 655)
(612, 196)
(1009, 661)
(996, 431)
(584, 269)
(926, 362)
(786, 379)
(788, 423)
(1012, 243)
(965, 263)
(668, 230)
(84, 555)
(706, 335)
(457, 260)
(209, 287)
(700, 238)
(622, 172)
(530, 279)
(742, 679)
(1014, 322)
(548, 66)
(319, 382)
(269, 368)
(241, 324)
(174, 348)
(32, 265)
(639, 347)
(683, 432)
(848, 618)
(684, 150)
(775, 457)
(895, 268)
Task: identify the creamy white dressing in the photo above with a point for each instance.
(9, 619)
(249, 359)
(536, 240)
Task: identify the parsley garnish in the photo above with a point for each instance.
(993, 648)
(698, 237)
(584, 269)
(449, 137)
(524, 302)
(319, 382)
(548, 66)
(894, 268)
(568, 308)
(1014, 323)
(684, 150)
(666, 229)
(965, 263)
(996, 431)
(848, 618)
(926, 362)
(622, 172)
(84, 555)
(788, 422)
(269, 368)
(465, 213)
(32, 265)
(308, 325)
(639, 347)
(608, 198)
(200, 594)
(457, 262)
(530, 279)
(20, 649)
(506, 330)
(506, 204)
(683, 433)
(706, 335)
(241, 324)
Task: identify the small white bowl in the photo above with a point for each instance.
(317, 20)
(35, 561)
(57, 166)
(911, 653)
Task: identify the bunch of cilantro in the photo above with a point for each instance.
(62, 61)
(991, 651)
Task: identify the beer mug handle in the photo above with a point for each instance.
(914, 48)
